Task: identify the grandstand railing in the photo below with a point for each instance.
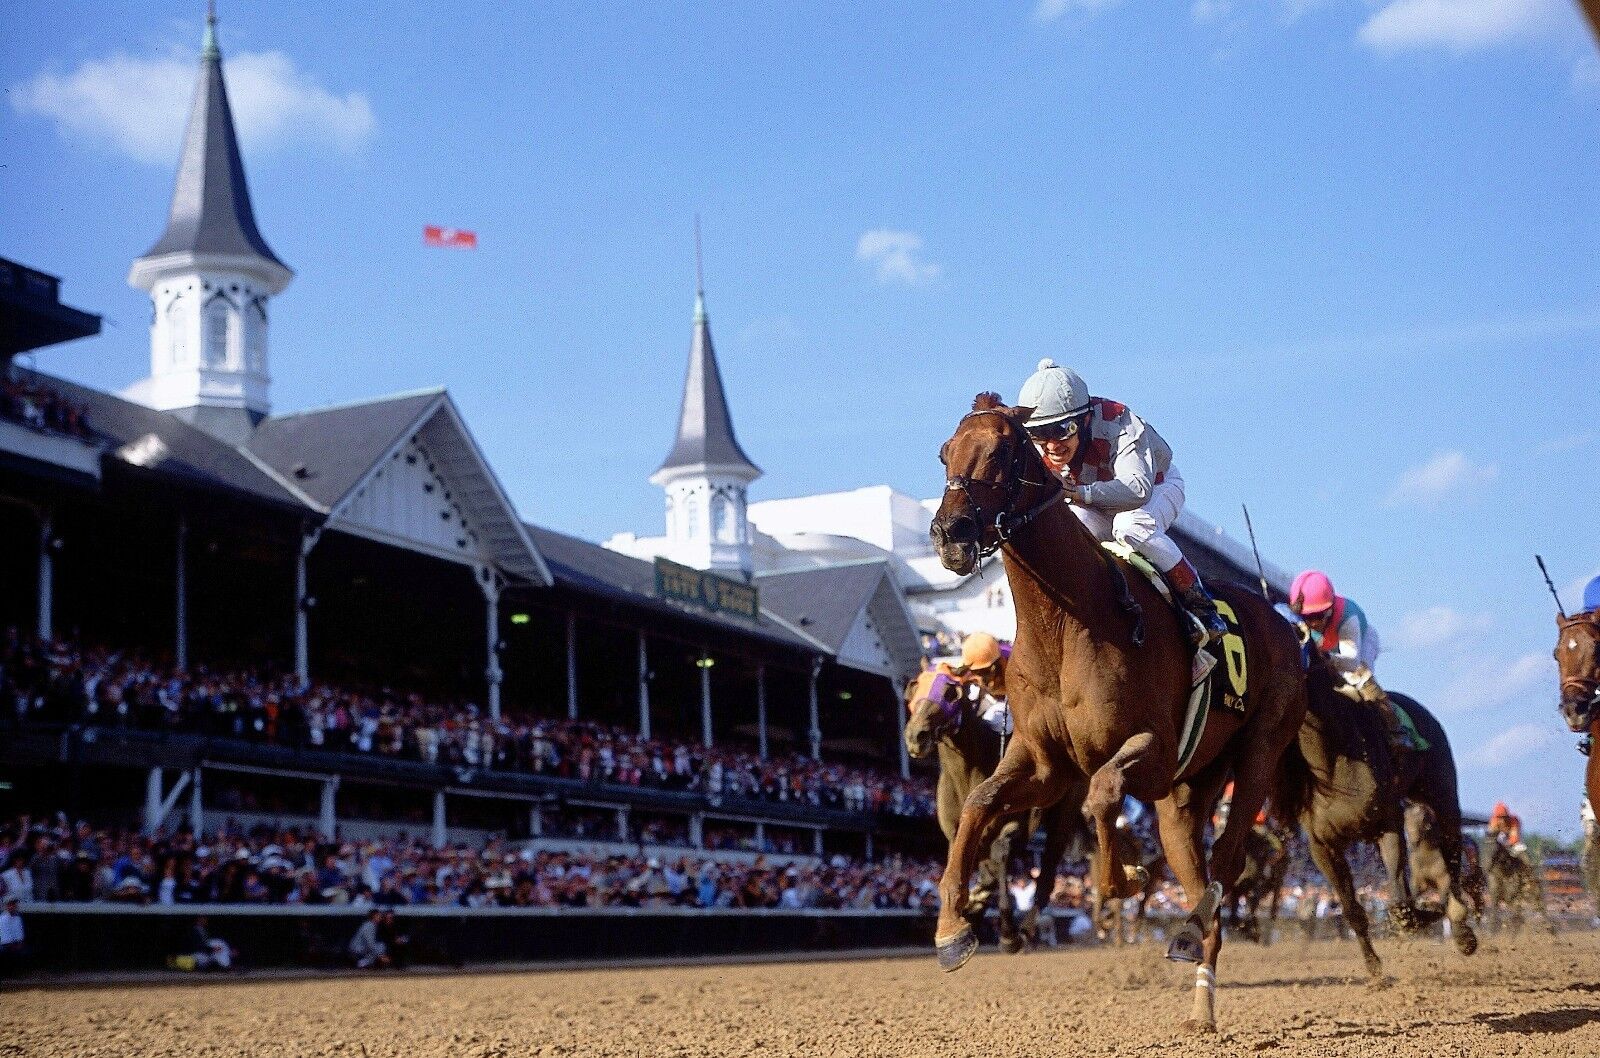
(133, 747)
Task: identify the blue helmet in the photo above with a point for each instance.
(1591, 595)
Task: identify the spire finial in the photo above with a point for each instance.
(699, 276)
(208, 45)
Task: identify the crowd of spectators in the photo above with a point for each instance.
(40, 408)
(64, 682)
(58, 860)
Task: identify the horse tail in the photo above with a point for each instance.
(1296, 781)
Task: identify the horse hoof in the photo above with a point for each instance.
(1188, 945)
(1012, 945)
(1200, 1028)
(1379, 982)
(1466, 940)
(954, 953)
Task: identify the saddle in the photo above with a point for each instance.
(1211, 684)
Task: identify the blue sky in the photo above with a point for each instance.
(1345, 254)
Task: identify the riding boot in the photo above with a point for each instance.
(1400, 738)
(1585, 744)
(1197, 600)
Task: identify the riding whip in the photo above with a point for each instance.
(1559, 609)
(1266, 593)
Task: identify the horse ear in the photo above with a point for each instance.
(1020, 416)
(987, 401)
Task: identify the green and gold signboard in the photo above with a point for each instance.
(697, 588)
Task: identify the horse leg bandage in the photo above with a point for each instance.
(1205, 978)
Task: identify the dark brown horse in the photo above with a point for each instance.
(1345, 785)
(1099, 685)
(1266, 864)
(1109, 913)
(943, 716)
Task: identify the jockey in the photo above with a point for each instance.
(983, 659)
(1507, 830)
(1119, 476)
(1591, 596)
(1340, 632)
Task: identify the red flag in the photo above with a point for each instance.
(455, 238)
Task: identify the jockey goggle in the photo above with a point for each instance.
(1055, 431)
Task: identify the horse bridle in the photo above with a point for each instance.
(1005, 522)
(1587, 688)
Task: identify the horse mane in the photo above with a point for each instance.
(988, 401)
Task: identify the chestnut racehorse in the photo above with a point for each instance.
(1578, 660)
(1099, 684)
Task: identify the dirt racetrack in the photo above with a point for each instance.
(1538, 996)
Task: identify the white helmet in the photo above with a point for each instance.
(1054, 393)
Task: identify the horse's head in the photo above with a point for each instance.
(1578, 659)
(989, 465)
(934, 701)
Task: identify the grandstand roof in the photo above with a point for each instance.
(592, 569)
(167, 445)
(827, 604)
(331, 453)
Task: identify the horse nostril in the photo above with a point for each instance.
(962, 529)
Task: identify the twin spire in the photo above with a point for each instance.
(705, 437)
(211, 215)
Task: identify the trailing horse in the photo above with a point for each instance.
(1266, 864)
(943, 716)
(1343, 783)
(1099, 682)
(1513, 888)
(1108, 912)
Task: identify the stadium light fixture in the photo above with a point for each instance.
(704, 662)
(520, 618)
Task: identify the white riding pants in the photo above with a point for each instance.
(1145, 528)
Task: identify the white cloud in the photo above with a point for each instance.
(1210, 10)
(1050, 10)
(1457, 25)
(1494, 681)
(1514, 744)
(1438, 625)
(1446, 475)
(138, 105)
(897, 256)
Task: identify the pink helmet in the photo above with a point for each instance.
(1311, 593)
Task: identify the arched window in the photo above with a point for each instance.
(691, 516)
(176, 322)
(216, 333)
(255, 342)
(727, 518)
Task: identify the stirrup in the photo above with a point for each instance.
(1585, 744)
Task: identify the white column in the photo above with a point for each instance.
(328, 820)
(197, 822)
(180, 645)
(535, 820)
(572, 664)
(761, 837)
(490, 582)
(761, 710)
(815, 733)
(644, 687)
(705, 699)
(900, 726)
(622, 823)
(816, 844)
(46, 624)
(441, 836)
(302, 653)
(869, 846)
(152, 801)
(697, 830)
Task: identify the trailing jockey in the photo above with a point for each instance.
(1119, 476)
(983, 660)
(1507, 830)
(1340, 632)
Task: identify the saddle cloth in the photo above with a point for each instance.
(1223, 685)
